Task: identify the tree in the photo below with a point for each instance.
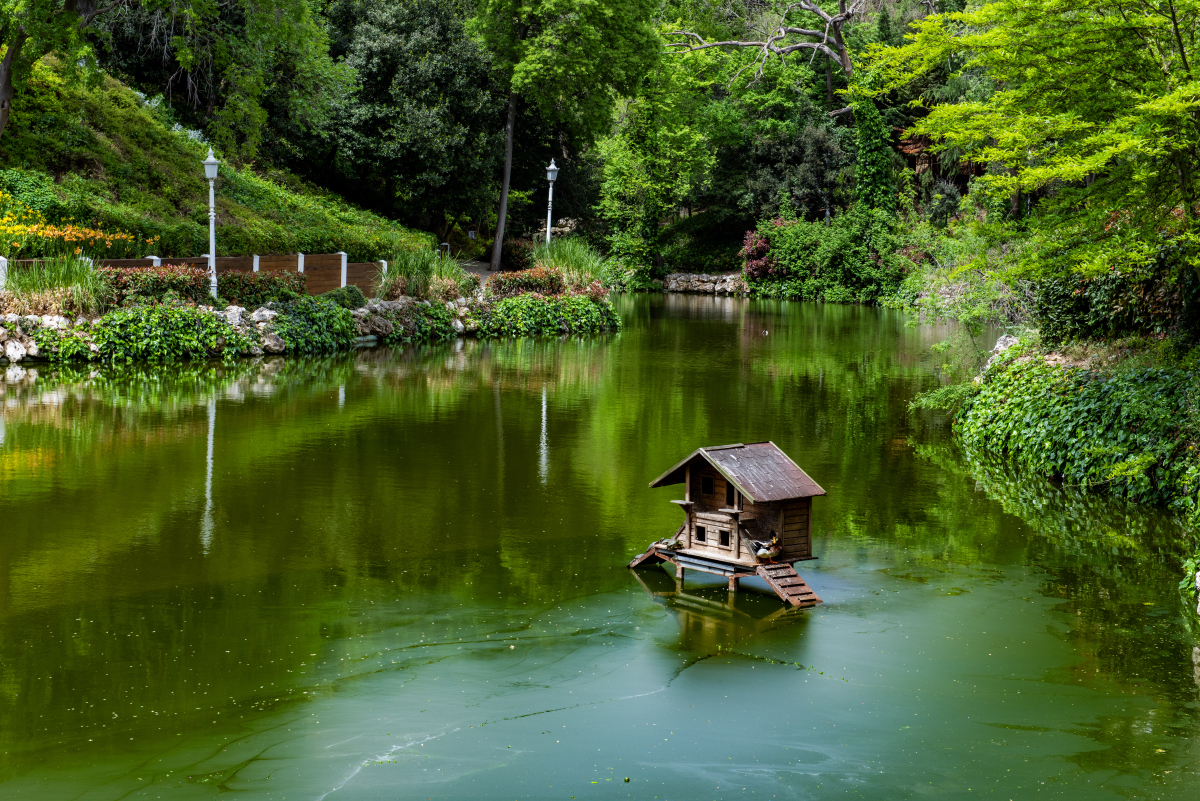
(1095, 108)
(873, 177)
(416, 134)
(570, 59)
(35, 28)
(778, 36)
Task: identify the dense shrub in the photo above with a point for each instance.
(348, 297)
(313, 325)
(253, 290)
(1157, 300)
(540, 279)
(130, 285)
(419, 322)
(1126, 431)
(534, 315)
(517, 254)
(853, 259)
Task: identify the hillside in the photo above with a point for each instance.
(102, 156)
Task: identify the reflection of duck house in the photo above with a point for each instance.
(748, 513)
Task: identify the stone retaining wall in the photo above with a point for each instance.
(702, 283)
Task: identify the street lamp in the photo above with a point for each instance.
(210, 172)
(551, 174)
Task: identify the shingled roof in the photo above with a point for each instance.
(759, 470)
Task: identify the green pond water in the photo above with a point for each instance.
(401, 574)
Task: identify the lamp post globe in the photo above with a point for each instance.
(551, 175)
(210, 172)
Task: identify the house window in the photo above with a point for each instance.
(730, 495)
(724, 539)
(706, 486)
(701, 534)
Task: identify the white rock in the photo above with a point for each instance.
(273, 343)
(14, 374)
(14, 350)
(235, 315)
(457, 325)
(263, 315)
(3, 333)
(31, 349)
(11, 319)
(1002, 344)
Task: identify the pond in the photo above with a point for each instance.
(401, 573)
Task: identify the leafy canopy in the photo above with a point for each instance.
(1094, 113)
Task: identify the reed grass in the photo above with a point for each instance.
(422, 274)
(63, 284)
(579, 263)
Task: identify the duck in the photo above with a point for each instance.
(767, 549)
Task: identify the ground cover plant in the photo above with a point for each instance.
(1130, 431)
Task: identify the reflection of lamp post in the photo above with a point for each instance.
(210, 172)
(551, 174)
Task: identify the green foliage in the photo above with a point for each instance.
(98, 155)
(853, 259)
(348, 297)
(1117, 303)
(419, 135)
(81, 287)
(312, 325)
(252, 290)
(157, 334)
(534, 315)
(1127, 431)
(226, 67)
(543, 280)
(1100, 140)
(875, 185)
(137, 285)
(570, 59)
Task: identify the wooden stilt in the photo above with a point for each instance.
(733, 583)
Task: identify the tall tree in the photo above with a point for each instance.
(570, 59)
(1095, 107)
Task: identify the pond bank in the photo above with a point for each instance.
(301, 326)
(1096, 420)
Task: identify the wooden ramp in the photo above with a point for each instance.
(788, 585)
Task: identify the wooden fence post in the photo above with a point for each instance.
(3, 272)
(384, 263)
(255, 262)
(342, 253)
(155, 261)
(300, 262)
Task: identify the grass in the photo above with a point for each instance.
(55, 285)
(578, 262)
(423, 274)
(100, 156)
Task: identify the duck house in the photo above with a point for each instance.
(747, 512)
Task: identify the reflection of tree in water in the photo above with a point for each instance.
(1115, 567)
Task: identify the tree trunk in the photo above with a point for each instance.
(508, 153)
(6, 77)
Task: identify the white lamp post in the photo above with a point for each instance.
(551, 174)
(210, 172)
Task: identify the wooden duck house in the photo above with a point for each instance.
(747, 512)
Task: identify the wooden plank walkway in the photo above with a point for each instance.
(788, 585)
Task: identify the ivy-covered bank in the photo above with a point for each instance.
(296, 325)
(1097, 419)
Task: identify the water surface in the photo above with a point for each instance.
(401, 574)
